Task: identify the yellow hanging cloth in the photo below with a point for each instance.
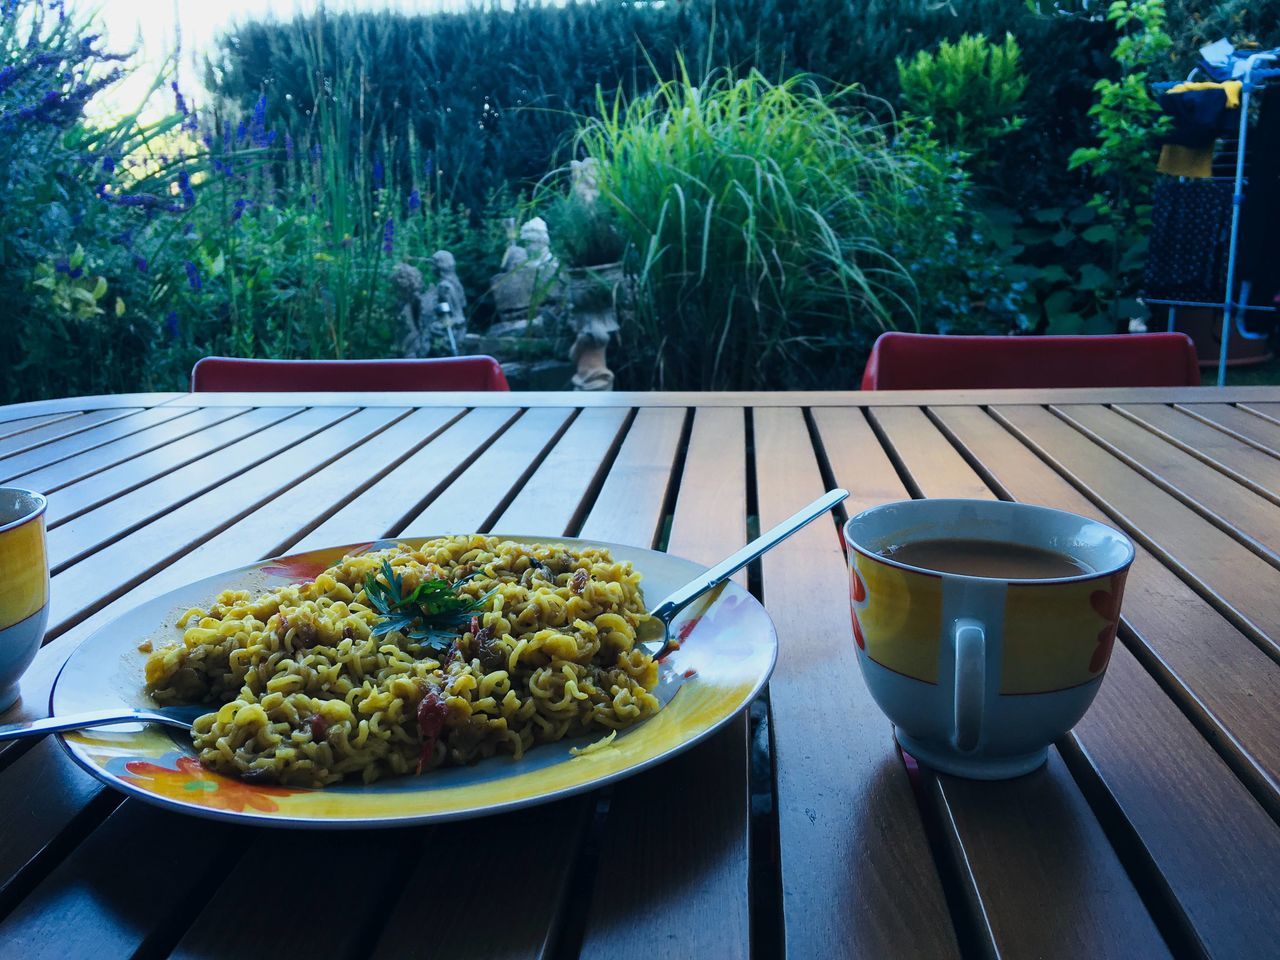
(1179, 161)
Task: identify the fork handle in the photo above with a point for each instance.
(74, 721)
(730, 565)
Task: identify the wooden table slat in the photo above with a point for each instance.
(135, 877)
(576, 465)
(638, 483)
(51, 432)
(94, 491)
(386, 507)
(337, 904)
(1269, 411)
(470, 502)
(856, 868)
(41, 794)
(1236, 459)
(90, 462)
(9, 427)
(57, 451)
(1239, 423)
(82, 535)
(75, 405)
(755, 399)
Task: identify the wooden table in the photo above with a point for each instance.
(797, 830)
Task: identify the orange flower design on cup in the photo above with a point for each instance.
(190, 782)
(858, 596)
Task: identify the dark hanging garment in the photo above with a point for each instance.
(1259, 255)
(1190, 226)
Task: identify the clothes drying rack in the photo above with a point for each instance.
(1258, 70)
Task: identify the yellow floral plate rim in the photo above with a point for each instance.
(728, 651)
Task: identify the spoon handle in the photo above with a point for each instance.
(73, 721)
(730, 565)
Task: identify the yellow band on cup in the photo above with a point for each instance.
(24, 574)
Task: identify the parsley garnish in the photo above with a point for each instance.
(434, 611)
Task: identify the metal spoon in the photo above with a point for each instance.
(182, 717)
(655, 633)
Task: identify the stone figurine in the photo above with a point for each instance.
(584, 179)
(528, 288)
(432, 318)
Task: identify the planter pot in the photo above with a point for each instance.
(598, 298)
(1204, 326)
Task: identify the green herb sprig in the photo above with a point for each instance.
(434, 611)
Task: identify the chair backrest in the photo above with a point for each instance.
(920, 361)
(232, 374)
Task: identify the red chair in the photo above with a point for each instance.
(921, 361)
(231, 374)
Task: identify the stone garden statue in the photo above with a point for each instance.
(529, 285)
(432, 319)
(584, 179)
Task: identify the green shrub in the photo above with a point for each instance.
(773, 223)
(970, 90)
(1127, 122)
(128, 250)
(84, 213)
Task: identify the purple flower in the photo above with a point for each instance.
(378, 174)
(238, 210)
(184, 185)
(63, 265)
(179, 101)
(242, 132)
(426, 167)
(140, 263)
(315, 151)
(109, 163)
(193, 276)
(288, 147)
(171, 323)
(389, 236)
(415, 200)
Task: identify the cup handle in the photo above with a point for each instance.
(971, 682)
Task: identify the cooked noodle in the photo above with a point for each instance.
(308, 696)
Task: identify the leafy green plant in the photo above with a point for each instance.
(969, 89)
(433, 610)
(84, 209)
(584, 234)
(757, 210)
(1127, 120)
